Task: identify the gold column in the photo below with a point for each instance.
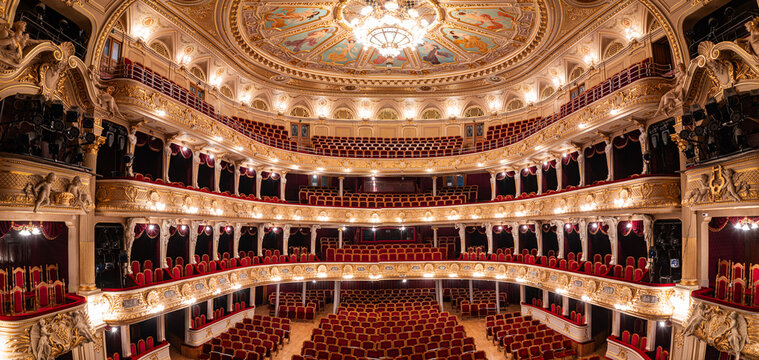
(87, 225)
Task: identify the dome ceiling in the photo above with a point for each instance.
(317, 36)
(313, 41)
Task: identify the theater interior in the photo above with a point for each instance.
(379, 179)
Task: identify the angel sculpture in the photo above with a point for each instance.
(696, 318)
(753, 37)
(81, 325)
(13, 41)
(81, 196)
(674, 97)
(700, 192)
(737, 333)
(39, 341)
(731, 182)
(42, 191)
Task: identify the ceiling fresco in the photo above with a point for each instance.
(316, 36)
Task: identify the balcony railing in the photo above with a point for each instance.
(642, 70)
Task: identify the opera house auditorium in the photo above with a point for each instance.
(379, 179)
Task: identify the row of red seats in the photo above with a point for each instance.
(316, 296)
(383, 201)
(525, 338)
(507, 134)
(736, 284)
(142, 346)
(635, 340)
(379, 325)
(254, 338)
(29, 289)
(358, 255)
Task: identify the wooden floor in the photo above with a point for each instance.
(301, 331)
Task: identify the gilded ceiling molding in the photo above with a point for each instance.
(134, 305)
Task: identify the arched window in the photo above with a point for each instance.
(226, 91)
(473, 111)
(613, 49)
(160, 48)
(431, 114)
(300, 111)
(260, 104)
(576, 72)
(198, 73)
(343, 114)
(514, 105)
(387, 114)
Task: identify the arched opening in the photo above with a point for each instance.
(206, 172)
(596, 169)
(148, 157)
(227, 178)
(550, 240)
(180, 165)
(628, 158)
(110, 162)
(570, 170)
(109, 255)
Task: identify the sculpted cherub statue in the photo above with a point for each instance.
(42, 191)
(81, 196)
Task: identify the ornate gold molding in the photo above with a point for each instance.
(728, 329)
(129, 306)
(653, 194)
(724, 183)
(26, 182)
(48, 335)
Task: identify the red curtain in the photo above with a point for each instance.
(207, 160)
(154, 143)
(599, 148)
(627, 227)
(249, 172)
(183, 230)
(525, 228)
(152, 230)
(599, 227)
(718, 223)
(622, 140)
(176, 149)
(549, 164)
(49, 229)
(571, 157)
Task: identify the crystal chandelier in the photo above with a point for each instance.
(389, 28)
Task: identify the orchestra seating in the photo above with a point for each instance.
(254, 338)
(400, 324)
(525, 338)
(325, 196)
(291, 304)
(737, 283)
(199, 320)
(30, 289)
(386, 147)
(483, 301)
(385, 252)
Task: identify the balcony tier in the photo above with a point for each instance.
(649, 194)
(648, 301)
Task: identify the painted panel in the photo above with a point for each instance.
(435, 54)
(283, 18)
(469, 41)
(307, 41)
(342, 53)
(486, 19)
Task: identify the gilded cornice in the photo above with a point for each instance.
(639, 98)
(134, 305)
(655, 194)
(725, 183)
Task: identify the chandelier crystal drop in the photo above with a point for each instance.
(389, 28)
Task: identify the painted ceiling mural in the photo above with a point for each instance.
(314, 35)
